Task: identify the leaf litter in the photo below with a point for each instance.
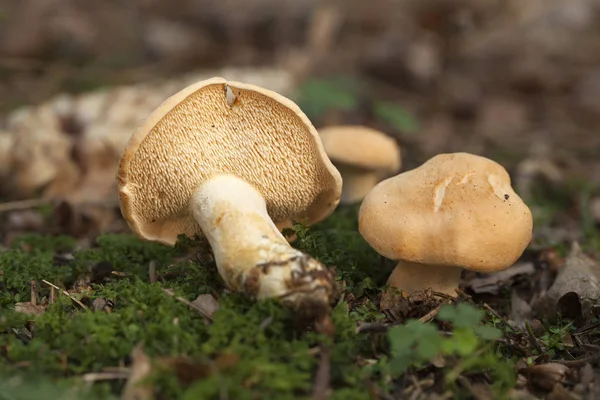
(537, 336)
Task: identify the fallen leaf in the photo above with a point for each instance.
(545, 376)
(520, 310)
(491, 283)
(576, 289)
(206, 304)
(141, 368)
(521, 394)
(560, 393)
(189, 370)
(29, 308)
(102, 304)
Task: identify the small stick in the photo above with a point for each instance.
(152, 271)
(322, 386)
(431, 314)
(33, 293)
(22, 204)
(579, 362)
(104, 376)
(490, 309)
(52, 298)
(66, 294)
(372, 327)
(532, 338)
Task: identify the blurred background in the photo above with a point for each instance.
(517, 81)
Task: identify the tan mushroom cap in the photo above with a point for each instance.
(263, 138)
(361, 146)
(456, 209)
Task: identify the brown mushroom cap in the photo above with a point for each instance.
(196, 134)
(456, 209)
(361, 146)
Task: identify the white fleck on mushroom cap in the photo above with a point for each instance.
(361, 147)
(196, 134)
(456, 209)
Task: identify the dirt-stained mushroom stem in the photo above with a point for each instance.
(251, 254)
(414, 277)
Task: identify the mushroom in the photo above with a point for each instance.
(227, 161)
(363, 155)
(454, 211)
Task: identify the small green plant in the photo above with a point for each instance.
(554, 338)
(395, 116)
(469, 347)
(316, 96)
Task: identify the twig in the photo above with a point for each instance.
(67, 294)
(372, 327)
(444, 295)
(33, 293)
(532, 338)
(152, 271)
(580, 361)
(494, 313)
(323, 377)
(462, 294)
(104, 376)
(189, 304)
(22, 204)
(431, 314)
(21, 63)
(322, 387)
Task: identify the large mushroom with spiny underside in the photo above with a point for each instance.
(456, 211)
(228, 161)
(364, 156)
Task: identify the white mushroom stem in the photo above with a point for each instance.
(251, 254)
(357, 183)
(413, 277)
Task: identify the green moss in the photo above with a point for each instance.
(275, 358)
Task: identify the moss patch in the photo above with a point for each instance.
(251, 350)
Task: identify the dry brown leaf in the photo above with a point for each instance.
(521, 394)
(189, 370)
(560, 393)
(491, 282)
(29, 308)
(141, 368)
(545, 376)
(520, 310)
(206, 304)
(576, 289)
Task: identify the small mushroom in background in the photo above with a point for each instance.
(364, 156)
(228, 161)
(455, 211)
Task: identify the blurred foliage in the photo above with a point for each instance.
(396, 117)
(316, 96)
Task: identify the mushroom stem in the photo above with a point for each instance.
(413, 277)
(251, 254)
(357, 183)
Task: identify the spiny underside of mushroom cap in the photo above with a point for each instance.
(456, 209)
(203, 131)
(362, 147)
